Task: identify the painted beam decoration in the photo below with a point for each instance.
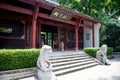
(60, 14)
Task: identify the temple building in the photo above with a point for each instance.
(32, 23)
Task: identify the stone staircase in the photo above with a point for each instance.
(63, 63)
(69, 63)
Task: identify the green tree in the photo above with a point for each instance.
(101, 9)
(111, 34)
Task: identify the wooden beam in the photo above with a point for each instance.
(88, 19)
(46, 16)
(53, 23)
(83, 25)
(32, 2)
(15, 17)
(29, 19)
(15, 8)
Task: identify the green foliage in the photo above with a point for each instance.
(101, 9)
(109, 51)
(92, 51)
(18, 58)
(117, 49)
(111, 33)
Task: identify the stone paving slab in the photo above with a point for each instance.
(100, 72)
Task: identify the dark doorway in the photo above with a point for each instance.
(49, 36)
(80, 38)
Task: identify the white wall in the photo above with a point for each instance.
(87, 43)
(96, 34)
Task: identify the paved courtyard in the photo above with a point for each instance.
(100, 72)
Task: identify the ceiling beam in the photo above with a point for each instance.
(54, 23)
(30, 12)
(15, 8)
(15, 17)
(46, 16)
(83, 25)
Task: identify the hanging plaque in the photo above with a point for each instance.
(60, 14)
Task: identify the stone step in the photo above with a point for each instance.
(63, 55)
(63, 67)
(71, 62)
(64, 64)
(69, 59)
(74, 69)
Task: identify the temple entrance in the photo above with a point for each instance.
(55, 36)
(47, 36)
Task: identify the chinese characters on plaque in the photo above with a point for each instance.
(60, 14)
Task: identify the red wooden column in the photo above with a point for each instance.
(93, 35)
(76, 37)
(58, 37)
(35, 13)
(76, 34)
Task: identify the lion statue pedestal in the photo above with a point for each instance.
(101, 55)
(44, 67)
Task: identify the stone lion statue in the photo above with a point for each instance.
(44, 67)
(101, 55)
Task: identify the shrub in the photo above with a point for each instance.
(18, 58)
(117, 49)
(92, 51)
(109, 51)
